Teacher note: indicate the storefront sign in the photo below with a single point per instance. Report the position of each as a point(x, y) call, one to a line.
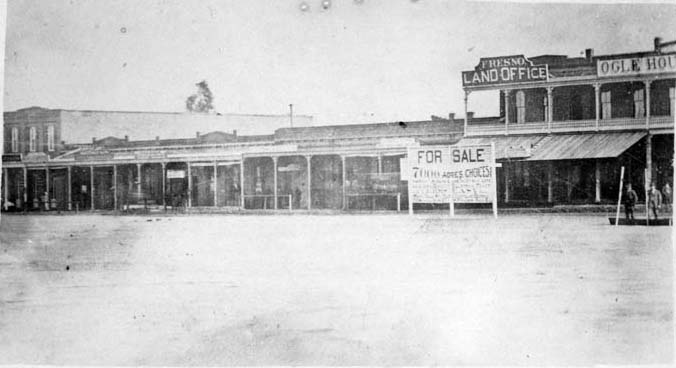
point(473, 170)
point(175, 174)
point(11, 157)
point(504, 70)
point(636, 66)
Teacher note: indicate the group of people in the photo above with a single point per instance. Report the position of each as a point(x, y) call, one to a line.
point(654, 201)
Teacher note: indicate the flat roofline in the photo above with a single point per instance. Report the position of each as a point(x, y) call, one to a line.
point(156, 112)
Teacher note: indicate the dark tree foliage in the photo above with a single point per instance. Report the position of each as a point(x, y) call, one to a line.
point(202, 100)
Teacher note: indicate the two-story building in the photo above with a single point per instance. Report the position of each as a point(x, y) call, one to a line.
point(567, 125)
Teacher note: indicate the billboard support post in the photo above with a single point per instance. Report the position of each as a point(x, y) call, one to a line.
point(451, 203)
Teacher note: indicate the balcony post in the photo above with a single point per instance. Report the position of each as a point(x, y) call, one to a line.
point(466, 120)
point(597, 102)
point(506, 93)
point(647, 103)
point(648, 160)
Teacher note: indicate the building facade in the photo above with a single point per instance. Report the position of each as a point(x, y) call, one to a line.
point(568, 125)
point(304, 167)
point(566, 128)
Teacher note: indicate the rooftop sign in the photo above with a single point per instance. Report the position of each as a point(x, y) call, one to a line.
point(636, 66)
point(504, 70)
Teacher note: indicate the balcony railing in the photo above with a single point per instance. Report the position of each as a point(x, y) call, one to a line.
point(656, 122)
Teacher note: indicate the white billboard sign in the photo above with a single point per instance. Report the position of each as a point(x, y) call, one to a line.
point(473, 170)
point(451, 174)
point(636, 66)
point(429, 179)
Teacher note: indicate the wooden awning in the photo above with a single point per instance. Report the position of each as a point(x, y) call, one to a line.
point(584, 146)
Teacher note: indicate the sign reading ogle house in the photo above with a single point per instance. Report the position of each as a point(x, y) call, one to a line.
point(436, 170)
point(654, 64)
point(504, 70)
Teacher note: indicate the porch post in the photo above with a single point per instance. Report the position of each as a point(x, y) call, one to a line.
point(241, 182)
point(48, 199)
point(550, 182)
point(189, 186)
point(506, 170)
point(380, 164)
point(309, 181)
point(597, 101)
point(5, 194)
point(506, 93)
point(550, 108)
point(70, 189)
point(274, 176)
point(215, 184)
point(25, 186)
point(597, 174)
point(647, 103)
point(164, 184)
point(91, 186)
point(649, 159)
point(115, 187)
point(140, 180)
point(343, 160)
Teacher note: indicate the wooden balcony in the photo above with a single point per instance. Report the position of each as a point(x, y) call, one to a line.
point(569, 126)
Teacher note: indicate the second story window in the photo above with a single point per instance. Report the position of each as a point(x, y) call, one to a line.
point(32, 135)
point(606, 106)
point(639, 104)
point(520, 107)
point(15, 139)
point(50, 138)
point(672, 100)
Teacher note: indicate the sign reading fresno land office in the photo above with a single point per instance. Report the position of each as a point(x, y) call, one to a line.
point(504, 70)
point(636, 66)
point(434, 170)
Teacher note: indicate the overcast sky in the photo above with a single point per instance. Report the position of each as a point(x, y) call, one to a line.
point(374, 61)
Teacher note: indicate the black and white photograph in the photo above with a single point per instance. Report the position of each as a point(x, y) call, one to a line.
point(337, 183)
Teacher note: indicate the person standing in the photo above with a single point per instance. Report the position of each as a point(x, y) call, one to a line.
point(654, 200)
point(666, 193)
point(630, 200)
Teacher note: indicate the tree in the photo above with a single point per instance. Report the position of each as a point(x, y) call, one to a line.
point(202, 100)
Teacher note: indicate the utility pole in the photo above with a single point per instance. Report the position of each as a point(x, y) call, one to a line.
point(291, 114)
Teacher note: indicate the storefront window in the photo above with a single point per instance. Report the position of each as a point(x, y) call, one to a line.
point(15, 140)
point(520, 107)
point(639, 104)
point(50, 138)
point(31, 136)
point(606, 106)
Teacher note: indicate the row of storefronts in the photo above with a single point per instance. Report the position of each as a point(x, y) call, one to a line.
point(565, 129)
